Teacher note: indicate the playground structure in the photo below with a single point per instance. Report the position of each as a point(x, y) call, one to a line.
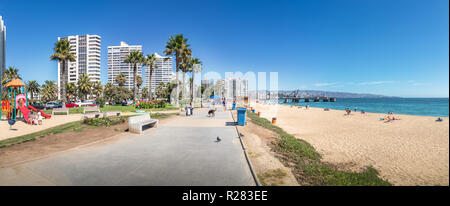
point(16, 105)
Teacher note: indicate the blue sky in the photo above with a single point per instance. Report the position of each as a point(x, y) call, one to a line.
point(390, 47)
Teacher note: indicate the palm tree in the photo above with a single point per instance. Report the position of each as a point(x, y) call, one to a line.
point(139, 82)
point(84, 85)
point(150, 61)
point(8, 75)
point(196, 67)
point(108, 91)
point(97, 89)
point(185, 67)
point(62, 55)
point(144, 92)
point(121, 80)
point(135, 57)
point(71, 91)
point(33, 87)
point(177, 46)
point(49, 91)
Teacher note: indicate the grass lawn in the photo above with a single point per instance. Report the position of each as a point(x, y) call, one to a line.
point(307, 165)
point(71, 126)
point(128, 108)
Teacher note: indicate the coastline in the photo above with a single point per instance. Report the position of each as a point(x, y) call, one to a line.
point(436, 107)
point(411, 151)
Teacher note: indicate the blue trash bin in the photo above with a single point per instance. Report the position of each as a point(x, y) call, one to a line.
point(241, 116)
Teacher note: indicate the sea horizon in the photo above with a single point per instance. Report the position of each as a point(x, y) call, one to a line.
point(435, 107)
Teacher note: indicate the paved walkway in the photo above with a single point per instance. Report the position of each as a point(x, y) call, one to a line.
point(21, 128)
point(182, 151)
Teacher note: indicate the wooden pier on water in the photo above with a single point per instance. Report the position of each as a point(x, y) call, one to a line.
point(307, 99)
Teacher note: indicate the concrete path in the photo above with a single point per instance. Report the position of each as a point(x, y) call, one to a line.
point(182, 151)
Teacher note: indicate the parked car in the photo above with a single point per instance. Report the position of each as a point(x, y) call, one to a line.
point(85, 103)
point(38, 106)
point(71, 104)
point(51, 105)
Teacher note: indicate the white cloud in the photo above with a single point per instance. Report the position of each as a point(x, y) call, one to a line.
point(376, 82)
point(324, 84)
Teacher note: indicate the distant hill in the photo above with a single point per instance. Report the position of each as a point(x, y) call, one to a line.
point(308, 93)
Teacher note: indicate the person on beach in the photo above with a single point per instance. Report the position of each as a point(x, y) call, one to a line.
point(307, 106)
point(348, 111)
point(356, 108)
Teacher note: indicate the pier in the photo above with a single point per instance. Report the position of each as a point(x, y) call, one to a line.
point(307, 99)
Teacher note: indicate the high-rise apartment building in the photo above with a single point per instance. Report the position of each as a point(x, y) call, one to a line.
point(87, 52)
point(2, 49)
point(236, 88)
point(116, 64)
point(162, 72)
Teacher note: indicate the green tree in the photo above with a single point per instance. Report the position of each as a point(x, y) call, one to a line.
point(108, 92)
point(150, 61)
point(33, 88)
point(177, 46)
point(49, 91)
point(71, 91)
point(134, 58)
point(163, 90)
point(84, 86)
point(196, 66)
point(145, 93)
point(121, 79)
point(63, 55)
point(139, 83)
point(8, 75)
point(97, 89)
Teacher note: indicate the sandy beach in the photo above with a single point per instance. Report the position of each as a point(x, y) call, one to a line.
point(411, 151)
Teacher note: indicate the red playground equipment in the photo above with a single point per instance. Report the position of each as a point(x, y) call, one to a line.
point(17, 103)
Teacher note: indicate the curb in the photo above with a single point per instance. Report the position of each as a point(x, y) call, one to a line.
point(246, 155)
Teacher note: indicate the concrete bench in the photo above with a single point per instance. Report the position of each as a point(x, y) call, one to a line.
point(112, 113)
point(90, 109)
point(136, 123)
point(91, 115)
point(60, 110)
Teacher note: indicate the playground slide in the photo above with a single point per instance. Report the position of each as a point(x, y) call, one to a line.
point(25, 112)
point(46, 116)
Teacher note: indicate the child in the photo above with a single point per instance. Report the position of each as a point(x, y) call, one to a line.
point(34, 120)
point(39, 118)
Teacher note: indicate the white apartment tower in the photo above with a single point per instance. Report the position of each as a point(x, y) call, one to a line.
point(236, 87)
point(116, 64)
point(2, 49)
point(162, 72)
point(87, 52)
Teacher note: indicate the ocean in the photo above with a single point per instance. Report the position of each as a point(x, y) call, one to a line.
point(437, 107)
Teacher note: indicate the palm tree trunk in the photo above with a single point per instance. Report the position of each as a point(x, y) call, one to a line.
point(63, 84)
point(177, 89)
point(134, 81)
point(150, 83)
point(192, 86)
point(183, 95)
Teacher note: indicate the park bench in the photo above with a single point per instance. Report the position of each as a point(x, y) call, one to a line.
point(136, 123)
point(91, 109)
point(91, 115)
point(112, 113)
point(60, 110)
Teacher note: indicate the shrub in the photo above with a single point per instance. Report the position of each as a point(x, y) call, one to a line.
point(151, 104)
